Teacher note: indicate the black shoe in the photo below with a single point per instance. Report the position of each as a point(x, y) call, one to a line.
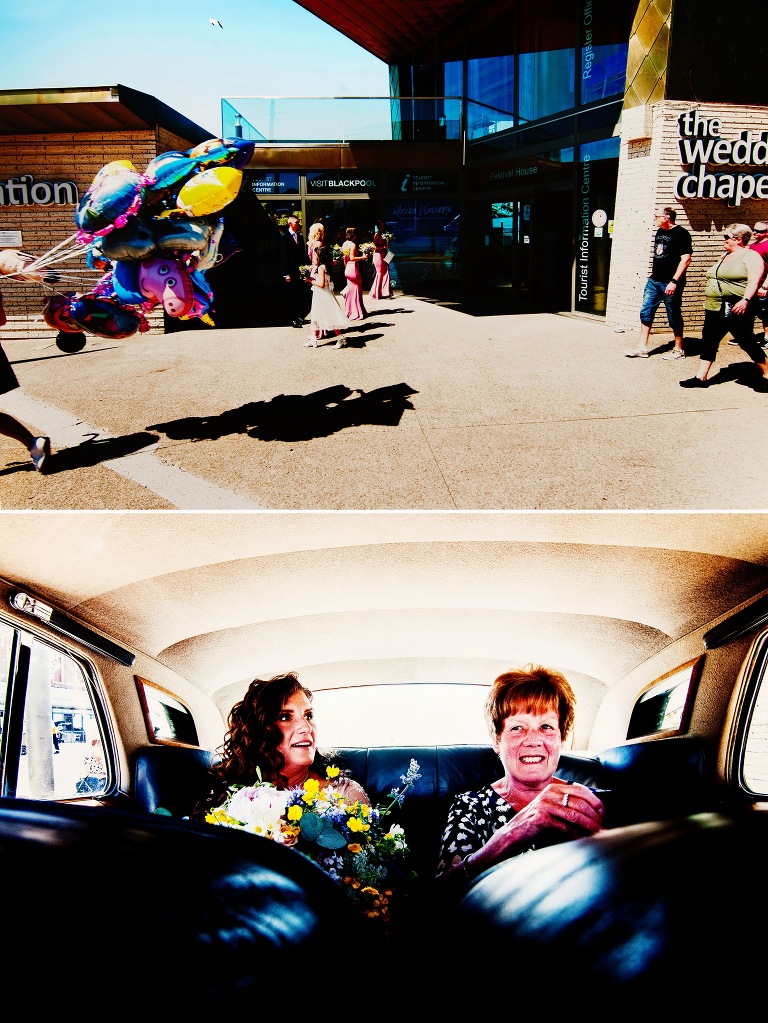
point(694, 382)
point(297, 323)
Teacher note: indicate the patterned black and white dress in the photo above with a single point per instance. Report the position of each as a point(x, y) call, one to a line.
point(472, 819)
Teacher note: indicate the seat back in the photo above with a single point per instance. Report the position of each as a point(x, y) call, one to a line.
point(170, 779)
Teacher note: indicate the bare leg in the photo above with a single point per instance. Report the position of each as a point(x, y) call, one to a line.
point(11, 427)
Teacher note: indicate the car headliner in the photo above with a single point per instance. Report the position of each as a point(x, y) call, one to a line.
point(383, 597)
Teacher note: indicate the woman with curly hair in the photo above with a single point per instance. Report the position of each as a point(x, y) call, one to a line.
point(271, 732)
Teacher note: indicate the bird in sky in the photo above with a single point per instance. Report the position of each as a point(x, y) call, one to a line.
point(215, 22)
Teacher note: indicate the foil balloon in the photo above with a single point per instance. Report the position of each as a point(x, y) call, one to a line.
point(95, 258)
point(169, 170)
point(209, 191)
point(115, 194)
point(209, 253)
point(183, 235)
point(57, 313)
point(104, 317)
point(125, 282)
point(214, 152)
point(201, 299)
point(166, 280)
point(136, 240)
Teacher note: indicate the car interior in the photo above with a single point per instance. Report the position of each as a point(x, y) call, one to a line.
point(138, 631)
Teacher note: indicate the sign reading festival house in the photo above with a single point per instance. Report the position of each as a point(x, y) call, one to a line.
point(701, 144)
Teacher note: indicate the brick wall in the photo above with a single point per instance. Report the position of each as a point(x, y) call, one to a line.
point(648, 170)
point(74, 157)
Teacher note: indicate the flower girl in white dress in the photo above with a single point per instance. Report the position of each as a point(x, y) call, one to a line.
point(326, 312)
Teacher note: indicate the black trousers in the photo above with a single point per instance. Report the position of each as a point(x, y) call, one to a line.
point(717, 325)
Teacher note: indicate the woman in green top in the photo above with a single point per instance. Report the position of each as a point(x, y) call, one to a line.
point(731, 287)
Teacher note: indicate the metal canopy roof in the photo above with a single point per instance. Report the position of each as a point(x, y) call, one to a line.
point(101, 108)
point(390, 29)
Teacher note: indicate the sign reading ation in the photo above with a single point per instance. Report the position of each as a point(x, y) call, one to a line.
point(21, 191)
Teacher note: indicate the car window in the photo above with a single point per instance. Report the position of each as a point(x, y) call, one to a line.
point(166, 716)
point(754, 764)
point(52, 744)
point(662, 707)
point(418, 714)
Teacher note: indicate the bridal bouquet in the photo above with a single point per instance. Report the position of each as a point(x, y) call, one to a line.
point(367, 248)
point(350, 840)
point(306, 271)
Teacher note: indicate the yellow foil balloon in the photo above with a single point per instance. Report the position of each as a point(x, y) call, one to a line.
point(209, 191)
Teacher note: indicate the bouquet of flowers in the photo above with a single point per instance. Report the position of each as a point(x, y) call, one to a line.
point(336, 253)
point(388, 237)
point(350, 840)
point(367, 248)
point(306, 272)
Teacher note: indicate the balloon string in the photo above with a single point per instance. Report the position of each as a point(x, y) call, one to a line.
point(41, 259)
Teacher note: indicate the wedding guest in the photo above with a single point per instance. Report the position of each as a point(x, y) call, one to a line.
point(326, 314)
point(529, 712)
point(316, 236)
point(292, 249)
point(353, 293)
point(39, 448)
point(381, 287)
point(729, 307)
point(272, 729)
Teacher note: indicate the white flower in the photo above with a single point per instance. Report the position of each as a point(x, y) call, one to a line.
point(259, 809)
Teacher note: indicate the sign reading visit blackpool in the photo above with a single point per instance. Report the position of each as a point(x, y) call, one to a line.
point(701, 144)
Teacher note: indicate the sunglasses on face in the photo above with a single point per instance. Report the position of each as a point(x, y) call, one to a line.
point(730, 238)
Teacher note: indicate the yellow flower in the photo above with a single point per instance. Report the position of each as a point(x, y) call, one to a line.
point(294, 813)
point(355, 825)
point(332, 772)
point(311, 785)
point(355, 847)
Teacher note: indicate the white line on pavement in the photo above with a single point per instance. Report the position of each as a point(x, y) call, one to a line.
point(182, 489)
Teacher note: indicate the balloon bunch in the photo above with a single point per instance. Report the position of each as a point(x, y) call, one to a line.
point(149, 238)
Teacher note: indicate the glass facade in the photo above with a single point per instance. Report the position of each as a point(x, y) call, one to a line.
point(543, 85)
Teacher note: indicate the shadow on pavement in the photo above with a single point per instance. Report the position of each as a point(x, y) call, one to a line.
point(97, 450)
point(298, 417)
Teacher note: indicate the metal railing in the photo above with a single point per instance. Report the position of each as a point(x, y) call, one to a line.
point(309, 119)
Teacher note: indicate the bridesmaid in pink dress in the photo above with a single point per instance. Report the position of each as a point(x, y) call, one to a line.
point(381, 286)
point(353, 296)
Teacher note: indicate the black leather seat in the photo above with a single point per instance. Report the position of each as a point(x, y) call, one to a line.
point(639, 917)
point(163, 915)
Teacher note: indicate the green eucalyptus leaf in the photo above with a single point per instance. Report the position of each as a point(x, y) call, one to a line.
point(311, 825)
point(330, 838)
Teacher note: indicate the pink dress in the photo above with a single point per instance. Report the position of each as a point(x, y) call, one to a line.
point(353, 294)
point(380, 287)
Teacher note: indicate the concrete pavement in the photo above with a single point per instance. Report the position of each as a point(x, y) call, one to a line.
point(427, 408)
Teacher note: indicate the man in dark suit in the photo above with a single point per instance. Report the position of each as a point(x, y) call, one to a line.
point(293, 254)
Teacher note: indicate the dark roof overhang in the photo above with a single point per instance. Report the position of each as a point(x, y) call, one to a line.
point(391, 30)
point(101, 108)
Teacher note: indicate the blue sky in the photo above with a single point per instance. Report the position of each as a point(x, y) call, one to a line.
point(169, 49)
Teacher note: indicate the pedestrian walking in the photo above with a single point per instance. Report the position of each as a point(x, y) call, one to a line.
point(672, 253)
point(731, 287)
point(39, 447)
point(326, 314)
point(760, 244)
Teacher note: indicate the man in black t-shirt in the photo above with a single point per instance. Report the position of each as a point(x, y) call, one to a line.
point(672, 251)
